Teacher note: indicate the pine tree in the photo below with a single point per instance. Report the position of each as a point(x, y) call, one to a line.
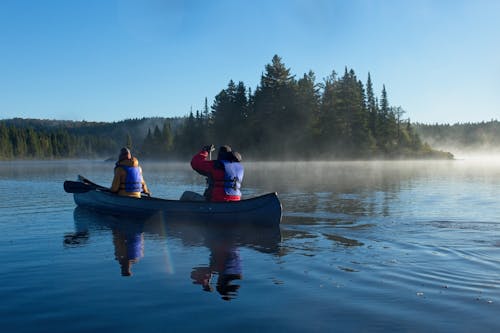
point(308, 101)
point(229, 115)
point(128, 141)
point(33, 149)
point(167, 139)
point(371, 106)
point(383, 137)
point(277, 75)
point(274, 109)
point(6, 149)
point(221, 114)
point(327, 125)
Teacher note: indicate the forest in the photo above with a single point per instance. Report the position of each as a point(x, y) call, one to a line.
point(285, 118)
point(465, 137)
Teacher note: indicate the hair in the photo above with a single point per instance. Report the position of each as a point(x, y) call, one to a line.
point(124, 154)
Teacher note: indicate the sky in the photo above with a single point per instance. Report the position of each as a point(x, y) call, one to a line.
point(110, 60)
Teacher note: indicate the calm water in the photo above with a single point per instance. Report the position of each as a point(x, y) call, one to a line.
point(373, 246)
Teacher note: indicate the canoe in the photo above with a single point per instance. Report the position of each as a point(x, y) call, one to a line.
point(264, 210)
point(89, 222)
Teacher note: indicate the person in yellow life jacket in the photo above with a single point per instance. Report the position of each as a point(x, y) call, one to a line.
point(128, 179)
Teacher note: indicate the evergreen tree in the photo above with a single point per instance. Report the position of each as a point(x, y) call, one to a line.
point(327, 124)
point(229, 114)
point(167, 138)
point(221, 114)
point(206, 112)
point(275, 104)
point(240, 117)
point(147, 144)
point(18, 140)
point(187, 139)
point(6, 149)
point(371, 106)
point(384, 138)
point(308, 101)
point(33, 149)
point(128, 141)
point(398, 113)
point(156, 135)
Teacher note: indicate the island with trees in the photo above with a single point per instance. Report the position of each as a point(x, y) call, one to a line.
point(284, 118)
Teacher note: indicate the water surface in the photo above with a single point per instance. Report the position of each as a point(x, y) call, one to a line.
point(363, 246)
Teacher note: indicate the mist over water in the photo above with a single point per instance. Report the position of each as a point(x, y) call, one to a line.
point(479, 156)
point(363, 246)
point(483, 151)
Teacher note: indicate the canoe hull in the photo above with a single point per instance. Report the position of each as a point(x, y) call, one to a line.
point(262, 210)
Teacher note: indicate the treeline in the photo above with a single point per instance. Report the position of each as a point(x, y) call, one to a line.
point(28, 143)
point(54, 139)
point(301, 119)
point(284, 118)
point(462, 136)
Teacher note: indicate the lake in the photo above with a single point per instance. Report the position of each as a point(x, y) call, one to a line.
point(362, 246)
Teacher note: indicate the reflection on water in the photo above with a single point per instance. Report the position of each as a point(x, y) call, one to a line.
point(76, 238)
point(225, 262)
point(362, 247)
point(128, 237)
point(129, 248)
point(224, 244)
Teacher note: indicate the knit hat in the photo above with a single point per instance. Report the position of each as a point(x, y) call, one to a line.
point(223, 153)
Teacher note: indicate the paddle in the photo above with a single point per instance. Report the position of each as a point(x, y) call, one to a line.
point(82, 186)
point(77, 187)
point(91, 184)
point(87, 185)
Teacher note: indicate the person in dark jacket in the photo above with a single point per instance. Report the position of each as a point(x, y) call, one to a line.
point(224, 174)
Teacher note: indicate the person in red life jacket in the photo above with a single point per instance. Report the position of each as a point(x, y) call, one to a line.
point(128, 179)
point(224, 174)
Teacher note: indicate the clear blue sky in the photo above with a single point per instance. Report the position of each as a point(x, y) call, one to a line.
point(100, 60)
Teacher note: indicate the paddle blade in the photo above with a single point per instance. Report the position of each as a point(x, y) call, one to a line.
point(91, 184)
point(76, 187)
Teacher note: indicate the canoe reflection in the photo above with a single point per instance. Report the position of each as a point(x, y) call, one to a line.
point(224, 243)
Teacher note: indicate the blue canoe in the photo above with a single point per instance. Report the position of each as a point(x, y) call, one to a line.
point(264, 210)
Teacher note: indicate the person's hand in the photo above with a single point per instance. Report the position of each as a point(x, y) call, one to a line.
point(209, 148)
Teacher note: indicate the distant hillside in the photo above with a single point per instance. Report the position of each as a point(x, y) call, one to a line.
point(47, 139)
point(136, 128)
point(483, 137)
